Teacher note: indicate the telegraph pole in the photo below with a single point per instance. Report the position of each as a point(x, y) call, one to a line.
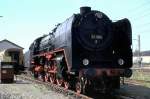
point(139, 46)
point(139, 51)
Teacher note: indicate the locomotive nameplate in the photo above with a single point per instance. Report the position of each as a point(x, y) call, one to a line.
point(98, 37)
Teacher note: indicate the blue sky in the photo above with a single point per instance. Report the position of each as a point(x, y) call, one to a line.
point(25, 20)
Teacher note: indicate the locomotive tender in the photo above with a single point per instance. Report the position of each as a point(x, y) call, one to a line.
point(88, 50)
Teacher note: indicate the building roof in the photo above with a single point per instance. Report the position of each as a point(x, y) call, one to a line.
point(142, 53)
point(9, 43)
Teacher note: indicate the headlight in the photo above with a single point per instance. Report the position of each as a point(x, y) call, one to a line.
point(85, 61)
point(120, 61)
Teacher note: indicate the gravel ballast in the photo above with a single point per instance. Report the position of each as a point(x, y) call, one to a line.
point(28, 91)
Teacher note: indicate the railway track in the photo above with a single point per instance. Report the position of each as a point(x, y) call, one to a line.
point(133, 81)
point(143, 70)
point(126, 97)
point(74, 95)
point(53, 87)
point(137, 80)
point(69, 93)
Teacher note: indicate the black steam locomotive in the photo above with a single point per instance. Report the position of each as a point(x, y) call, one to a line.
point(87, 51)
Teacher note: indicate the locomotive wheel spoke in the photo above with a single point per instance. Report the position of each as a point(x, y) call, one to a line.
point(78, 87)
point(46, 78)
point(66, 85)
point(51, 80)
point(59, 82)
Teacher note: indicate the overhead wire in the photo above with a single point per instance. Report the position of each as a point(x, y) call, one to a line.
point(137, 16)
point(138, 8)
point(140, 16)
point(142, 25)
point(131, 13)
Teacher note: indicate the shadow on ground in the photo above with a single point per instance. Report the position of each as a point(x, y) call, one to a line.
point(137, 91)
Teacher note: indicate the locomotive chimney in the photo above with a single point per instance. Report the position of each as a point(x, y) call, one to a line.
point(84, 10)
